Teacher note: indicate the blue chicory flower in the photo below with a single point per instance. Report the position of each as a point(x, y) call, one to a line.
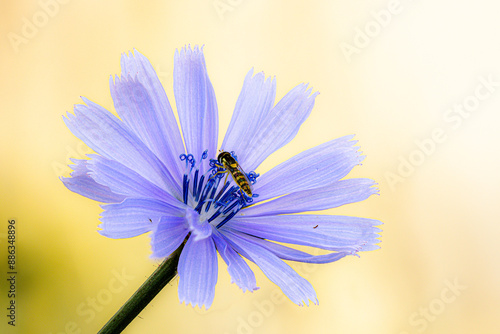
point(156, 180)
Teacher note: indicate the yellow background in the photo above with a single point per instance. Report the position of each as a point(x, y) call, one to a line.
point(441, 218)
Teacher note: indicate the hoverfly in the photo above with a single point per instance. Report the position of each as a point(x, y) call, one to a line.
point(232, 167)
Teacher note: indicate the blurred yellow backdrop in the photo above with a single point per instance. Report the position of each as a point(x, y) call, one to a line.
point(416, 81)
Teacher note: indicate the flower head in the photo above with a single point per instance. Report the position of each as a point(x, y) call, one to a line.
point(182, 189)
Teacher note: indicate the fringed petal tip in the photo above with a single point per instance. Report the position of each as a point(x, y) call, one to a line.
point(307, 90)
point(365, 247)
point(245, 285)
point(131, 56)
point(370, 243)
point(125, 56)
point(303, 303)
point(374, 189)
point(259, 77)
point(350, 139)
point(187, 53)
point(196, 304)
point(245, 288)
point(102, 232)
point(187, 49)
point(304, 92)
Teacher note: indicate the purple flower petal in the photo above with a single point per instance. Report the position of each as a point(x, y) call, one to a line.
point(168, 236)
point(165, 137)
point(299, 290)
point(328, 162)
point(238, 269)
point(108, 136)
point(146, 117)
point(196, 104)
point(254, 103)
point(335, 233)
point(198, 272)
point(82, 184)
point(122, 180)
point(287, 253)
point(278, 127)
point(332, 196)
point(134, 216)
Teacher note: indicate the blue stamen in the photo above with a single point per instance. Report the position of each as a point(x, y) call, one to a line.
point(185, 188)
point(212, 194)
point(228, 196)
point(231, 215)
point(195, 184)
point(198, 192)
point(231, 207)
point(220, 201)
point(215, 215)
point(252, 177)
point(224, 187)
point(201, 201)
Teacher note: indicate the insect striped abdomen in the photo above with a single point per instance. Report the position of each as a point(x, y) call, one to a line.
point(237, 173)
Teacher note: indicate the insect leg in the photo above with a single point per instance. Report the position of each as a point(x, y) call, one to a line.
point(213, 175)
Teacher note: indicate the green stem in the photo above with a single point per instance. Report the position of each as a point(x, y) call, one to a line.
point(141, 298)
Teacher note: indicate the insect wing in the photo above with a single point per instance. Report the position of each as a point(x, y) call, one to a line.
point(241, 179)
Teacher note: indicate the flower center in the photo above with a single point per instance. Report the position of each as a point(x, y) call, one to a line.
point(208, 188)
